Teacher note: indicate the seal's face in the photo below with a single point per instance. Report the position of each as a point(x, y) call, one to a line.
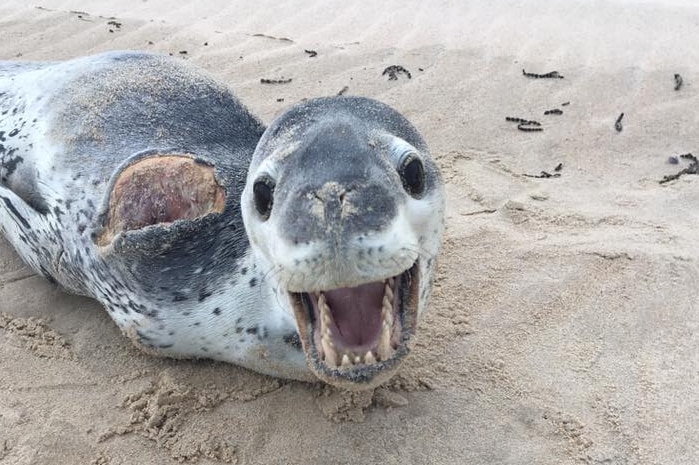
point(348, 219)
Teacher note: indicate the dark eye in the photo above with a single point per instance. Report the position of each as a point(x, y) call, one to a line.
point(263, 193)
point(412, 173)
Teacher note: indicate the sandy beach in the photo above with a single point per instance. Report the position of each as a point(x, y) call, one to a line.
point(564, 327)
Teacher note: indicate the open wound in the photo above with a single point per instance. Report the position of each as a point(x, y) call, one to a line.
point(161, 190)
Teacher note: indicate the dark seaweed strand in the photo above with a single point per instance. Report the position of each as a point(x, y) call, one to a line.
point(565, 104)
point(555, 111)
point(514, 119)
point(393, 71)
point(693, 168)
point(617, 123)
point(549, 75)
point(275, 81)
point(524, 127)
point(678, 81)
point(558, 167)
point(543, 175)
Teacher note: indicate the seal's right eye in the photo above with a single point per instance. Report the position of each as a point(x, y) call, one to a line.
point(412, 174)
point(263, 193)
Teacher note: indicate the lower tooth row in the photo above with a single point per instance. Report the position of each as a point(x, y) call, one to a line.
point(349, 360)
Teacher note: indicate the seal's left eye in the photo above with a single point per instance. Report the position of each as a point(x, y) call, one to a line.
point(263, 193)
point(412, 174)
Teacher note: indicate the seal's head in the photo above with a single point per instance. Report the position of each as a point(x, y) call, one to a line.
point(345, 207)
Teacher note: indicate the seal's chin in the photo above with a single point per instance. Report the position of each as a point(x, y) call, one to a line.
point(356, 337)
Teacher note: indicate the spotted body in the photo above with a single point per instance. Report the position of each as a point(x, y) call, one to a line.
point(127, 176)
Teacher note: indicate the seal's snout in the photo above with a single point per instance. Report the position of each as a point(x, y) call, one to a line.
point(338, 208)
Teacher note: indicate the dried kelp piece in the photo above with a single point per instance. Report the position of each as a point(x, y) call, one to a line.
point(617, 123)
point(555, 111)
point(543, 175)
point(546, 174)
point(515, 119)
point(275, 81)
point(283, 39)
point(311, 53)
point(693, 168)
point(343, 90)
point(549, 75)
point(678, 81)
point(525, 127)
point(393, 72)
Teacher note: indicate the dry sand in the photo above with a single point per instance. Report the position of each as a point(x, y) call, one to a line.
point(565, 324)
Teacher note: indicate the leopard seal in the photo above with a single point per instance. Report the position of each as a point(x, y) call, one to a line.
point(304, 250)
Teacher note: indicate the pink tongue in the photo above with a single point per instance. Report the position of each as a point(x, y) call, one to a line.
point(357, 313)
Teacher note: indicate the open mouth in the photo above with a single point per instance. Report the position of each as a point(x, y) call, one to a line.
point(355, 337)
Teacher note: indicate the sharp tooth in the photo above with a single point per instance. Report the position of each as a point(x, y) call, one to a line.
point(384, 349)
point(325, 316)
point(357, 359)
point(387, 312)
point(346, 361)
point(329, 351)
point(388, 292)
point(369, 358)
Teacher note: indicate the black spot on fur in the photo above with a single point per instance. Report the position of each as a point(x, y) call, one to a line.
point(217, 311)
point(203, 295)
point(179, 297)
point(252, 330)
point(253, 282)
point(38, 204)
point(16, 213)
point(11, 164)
point(14, 132)
point(293, 340)
point(47, 275)
point(143, 338)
